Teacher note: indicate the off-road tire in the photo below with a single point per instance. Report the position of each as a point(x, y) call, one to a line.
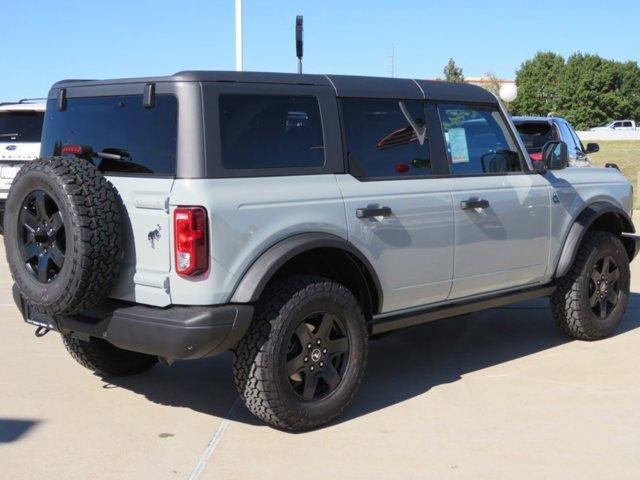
point(103, 358)
point(91, 214)
point(570, 301)
point(259, 373)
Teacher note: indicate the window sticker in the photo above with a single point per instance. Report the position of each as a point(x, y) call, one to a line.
point(457, 139)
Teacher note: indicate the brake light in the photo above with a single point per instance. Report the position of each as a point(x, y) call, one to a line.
point(191, 243)
point(72, 149)
point(536, 157)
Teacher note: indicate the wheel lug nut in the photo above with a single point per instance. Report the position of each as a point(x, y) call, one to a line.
point(318, 342)
point(306, 359)
point(312, 368)
point(309, 345)
point(322, 364)
point(324, 350)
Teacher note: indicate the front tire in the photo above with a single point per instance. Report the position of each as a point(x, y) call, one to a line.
point(103, 358)
point(591, 299)
point(303, 358)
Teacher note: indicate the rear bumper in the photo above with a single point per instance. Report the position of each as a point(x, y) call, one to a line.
point(175, 332)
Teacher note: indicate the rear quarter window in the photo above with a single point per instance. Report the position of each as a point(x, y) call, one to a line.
point(270, 131)
point(146, 138)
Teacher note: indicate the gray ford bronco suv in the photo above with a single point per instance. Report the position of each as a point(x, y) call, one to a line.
point(290, 218)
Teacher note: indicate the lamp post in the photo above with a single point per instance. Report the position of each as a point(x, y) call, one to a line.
point(238, 35)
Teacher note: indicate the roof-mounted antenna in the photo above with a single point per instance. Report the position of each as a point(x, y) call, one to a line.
point(299, 42)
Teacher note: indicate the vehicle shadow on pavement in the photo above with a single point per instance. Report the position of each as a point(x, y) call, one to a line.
point(401, 366)
point(413, 361)
point(11, 429)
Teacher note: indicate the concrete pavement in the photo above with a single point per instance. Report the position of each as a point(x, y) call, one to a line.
point(497, 394)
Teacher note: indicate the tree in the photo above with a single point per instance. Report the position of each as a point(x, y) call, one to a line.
point(493, 84)
point(538, 80)
point(453, 73)
point(587, 90)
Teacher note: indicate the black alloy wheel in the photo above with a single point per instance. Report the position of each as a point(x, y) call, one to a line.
point(317, 356)
point(41, 236)
point(604, 288)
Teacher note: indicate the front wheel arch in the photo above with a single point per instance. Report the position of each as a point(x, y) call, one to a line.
point(600, 216)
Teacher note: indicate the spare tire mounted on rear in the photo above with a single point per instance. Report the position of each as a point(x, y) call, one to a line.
point(63, 234)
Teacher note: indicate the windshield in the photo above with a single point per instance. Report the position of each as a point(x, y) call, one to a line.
point(535, 135)
point(21, 126)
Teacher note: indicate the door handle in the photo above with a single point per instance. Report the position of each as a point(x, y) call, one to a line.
point(373, 212)
point(473, 203)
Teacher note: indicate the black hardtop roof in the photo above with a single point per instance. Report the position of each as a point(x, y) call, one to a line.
point(344, 85)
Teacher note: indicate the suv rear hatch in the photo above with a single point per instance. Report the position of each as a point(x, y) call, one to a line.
point(535, 133)
point(135, 147)
point(20, 132)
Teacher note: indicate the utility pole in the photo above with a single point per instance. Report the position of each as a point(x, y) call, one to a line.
point(393, 60)
point(238, 35)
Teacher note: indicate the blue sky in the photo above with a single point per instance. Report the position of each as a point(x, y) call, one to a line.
point(50, 40)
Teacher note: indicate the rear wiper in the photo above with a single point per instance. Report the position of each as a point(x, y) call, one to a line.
point(2, 135)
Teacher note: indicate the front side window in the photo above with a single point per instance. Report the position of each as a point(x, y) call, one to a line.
point(386, 138)
point(21, 126)
point(145, 139)
point(477, 140)
point(270, 131)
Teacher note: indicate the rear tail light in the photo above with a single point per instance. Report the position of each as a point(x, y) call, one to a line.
point(191, 240)
point(536, 157)
point(72, 149)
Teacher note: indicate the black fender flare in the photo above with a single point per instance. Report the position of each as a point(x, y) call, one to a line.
point(268, 263)
point(581, 225)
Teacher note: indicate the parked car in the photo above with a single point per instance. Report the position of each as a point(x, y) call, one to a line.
point(536, 131)
point(618, 125)
point(20, 130)
point(291, 218)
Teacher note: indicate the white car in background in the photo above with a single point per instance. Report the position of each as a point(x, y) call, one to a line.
point(618, 125)
point(20, 131)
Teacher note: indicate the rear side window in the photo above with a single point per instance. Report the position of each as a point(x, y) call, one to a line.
point(386, 138)
point(145, 138)
point(20, 126)
point(535, 135)
point(270, 131)
point(477, 140)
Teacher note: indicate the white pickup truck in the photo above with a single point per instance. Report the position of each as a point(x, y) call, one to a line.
point(619, 125)
point(20, 131)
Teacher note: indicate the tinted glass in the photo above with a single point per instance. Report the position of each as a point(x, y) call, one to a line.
point(270, 131)
point(478, 140)
point(386, 138)
point(567, 137)
point(535, 135)
point(145, 138)
point(21, 126)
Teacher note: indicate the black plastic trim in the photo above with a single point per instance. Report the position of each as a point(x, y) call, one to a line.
point(407, 318)
point(580, 227)
point(176, 332)
point(262, 270)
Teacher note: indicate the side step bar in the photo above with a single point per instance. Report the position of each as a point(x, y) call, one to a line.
point(386, 322)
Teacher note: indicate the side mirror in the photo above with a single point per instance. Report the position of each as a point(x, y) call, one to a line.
point(593, 147)
point(555, 155)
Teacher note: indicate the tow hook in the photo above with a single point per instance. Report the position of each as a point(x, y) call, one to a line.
point(42, 331)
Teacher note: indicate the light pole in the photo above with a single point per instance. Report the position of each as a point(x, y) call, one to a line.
point(238, 35)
